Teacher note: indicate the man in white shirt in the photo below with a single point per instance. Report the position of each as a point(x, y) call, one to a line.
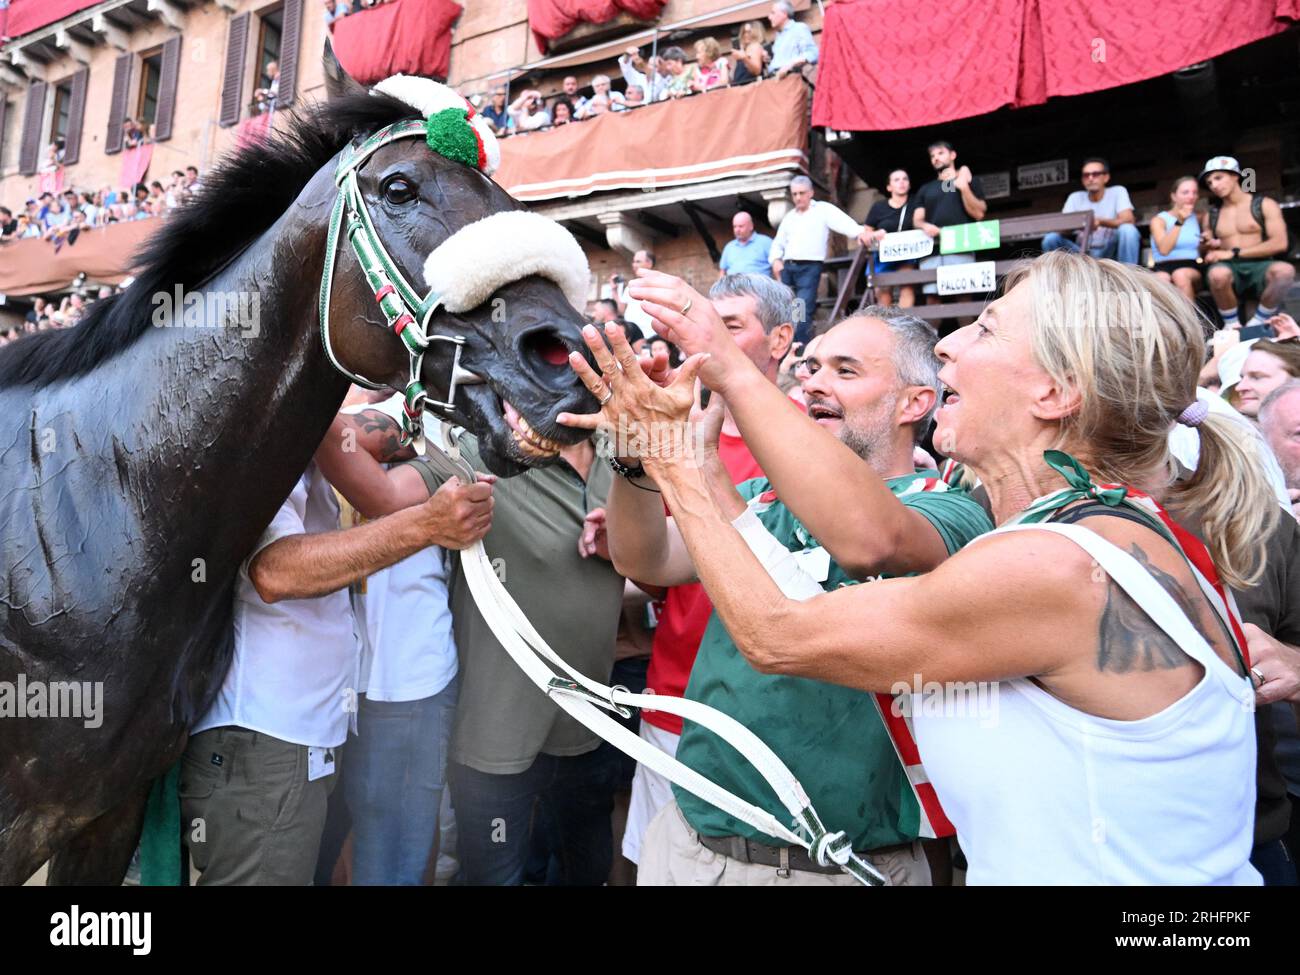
point(1114, 233)
point(258, 769)
point(799, 249)
point(653, 84)
point(793, 46)
point(629, 308)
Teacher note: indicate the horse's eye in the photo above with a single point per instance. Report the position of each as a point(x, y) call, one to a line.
point(398, 190)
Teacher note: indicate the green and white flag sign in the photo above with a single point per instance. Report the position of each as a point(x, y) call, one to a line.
point(964, 237)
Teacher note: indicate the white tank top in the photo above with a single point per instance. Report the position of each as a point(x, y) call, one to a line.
point(1041, 793)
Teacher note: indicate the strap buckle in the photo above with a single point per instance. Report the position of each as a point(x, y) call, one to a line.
point(558, 685)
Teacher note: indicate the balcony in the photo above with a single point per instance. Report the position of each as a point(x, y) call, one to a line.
point(623, 180)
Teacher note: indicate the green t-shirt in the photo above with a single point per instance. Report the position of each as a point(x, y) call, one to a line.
point(830, 737)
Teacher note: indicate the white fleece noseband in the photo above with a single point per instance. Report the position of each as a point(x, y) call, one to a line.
point(481, 257)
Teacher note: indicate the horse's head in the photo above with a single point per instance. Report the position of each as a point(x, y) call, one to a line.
point(505, 282)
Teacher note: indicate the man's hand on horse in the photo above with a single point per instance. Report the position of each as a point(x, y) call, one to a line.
point(688, 319)
point(651, 422)
point(457, 515)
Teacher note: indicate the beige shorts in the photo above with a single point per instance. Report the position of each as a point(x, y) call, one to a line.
point(673, 856)
point(650, 792)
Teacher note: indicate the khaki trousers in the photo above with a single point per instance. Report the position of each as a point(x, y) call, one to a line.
point(673, 856)
point(248, 814)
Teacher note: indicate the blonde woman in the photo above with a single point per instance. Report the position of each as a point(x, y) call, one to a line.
point(1119, 672)
point(750, 56)
point(711, 69)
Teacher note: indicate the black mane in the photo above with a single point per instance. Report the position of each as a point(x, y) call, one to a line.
point(240, 199)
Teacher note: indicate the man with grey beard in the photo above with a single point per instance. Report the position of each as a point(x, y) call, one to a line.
point(874, 385)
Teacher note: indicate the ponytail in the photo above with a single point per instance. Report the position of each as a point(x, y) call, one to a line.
point(1233, 500)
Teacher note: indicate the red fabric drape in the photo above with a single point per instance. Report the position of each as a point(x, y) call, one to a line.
point(255, 128)
point(934, 63)
point(135, 163)
point(398, 37)
point(551, 19)
point(26, 16)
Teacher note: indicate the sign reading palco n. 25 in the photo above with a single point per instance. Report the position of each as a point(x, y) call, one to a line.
point(907, 245)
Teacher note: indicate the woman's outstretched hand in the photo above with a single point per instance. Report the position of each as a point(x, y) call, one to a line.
point(648, 421)
point(699, 330)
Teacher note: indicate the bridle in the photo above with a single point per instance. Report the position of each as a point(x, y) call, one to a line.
point(405, 310)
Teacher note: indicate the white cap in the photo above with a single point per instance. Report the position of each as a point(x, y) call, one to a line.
point(1220, 164)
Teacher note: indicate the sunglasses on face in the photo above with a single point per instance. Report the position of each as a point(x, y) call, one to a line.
point(1094, 174)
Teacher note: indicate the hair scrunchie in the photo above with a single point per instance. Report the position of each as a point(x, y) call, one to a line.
point(1194, 414)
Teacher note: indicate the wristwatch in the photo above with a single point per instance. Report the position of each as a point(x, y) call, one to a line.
point(630, 471)
point(1236, 253)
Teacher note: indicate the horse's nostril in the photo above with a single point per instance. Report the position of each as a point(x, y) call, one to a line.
point(546, 345)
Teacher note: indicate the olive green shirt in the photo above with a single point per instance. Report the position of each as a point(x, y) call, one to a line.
point(503, 721)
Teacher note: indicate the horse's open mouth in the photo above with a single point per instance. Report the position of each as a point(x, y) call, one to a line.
point(528, 440)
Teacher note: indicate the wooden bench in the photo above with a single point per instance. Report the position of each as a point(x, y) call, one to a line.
point(850, 270)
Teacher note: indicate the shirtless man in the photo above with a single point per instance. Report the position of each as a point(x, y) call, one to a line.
point(1242, 255)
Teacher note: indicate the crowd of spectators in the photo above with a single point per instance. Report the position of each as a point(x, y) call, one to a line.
point(55, 313)
point(61, 217)
point(666, 74)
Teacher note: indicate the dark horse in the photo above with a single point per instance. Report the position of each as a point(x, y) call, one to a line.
point(143, 462)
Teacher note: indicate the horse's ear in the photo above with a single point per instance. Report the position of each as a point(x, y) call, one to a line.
point(338, 82)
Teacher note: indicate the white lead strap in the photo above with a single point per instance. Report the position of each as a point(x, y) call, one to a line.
point(588, 701)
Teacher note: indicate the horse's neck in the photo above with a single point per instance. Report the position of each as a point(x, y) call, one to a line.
point(239, 391)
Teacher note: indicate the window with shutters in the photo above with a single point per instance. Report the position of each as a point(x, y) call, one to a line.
point(146, 101)
point(232, 78)
point(269, 26)
point(62, 111)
